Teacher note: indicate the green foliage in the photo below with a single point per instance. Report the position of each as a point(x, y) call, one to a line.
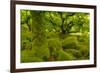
point(54, 36)
point(74, 52)
point(54, 43)
point(62, 56)
point(28, 56)
point(70, 42)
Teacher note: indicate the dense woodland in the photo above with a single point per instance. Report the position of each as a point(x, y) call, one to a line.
point(54, 36)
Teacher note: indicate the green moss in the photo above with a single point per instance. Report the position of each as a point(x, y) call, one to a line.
point(62, 56)
point(29, 56)
point(70, 42)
